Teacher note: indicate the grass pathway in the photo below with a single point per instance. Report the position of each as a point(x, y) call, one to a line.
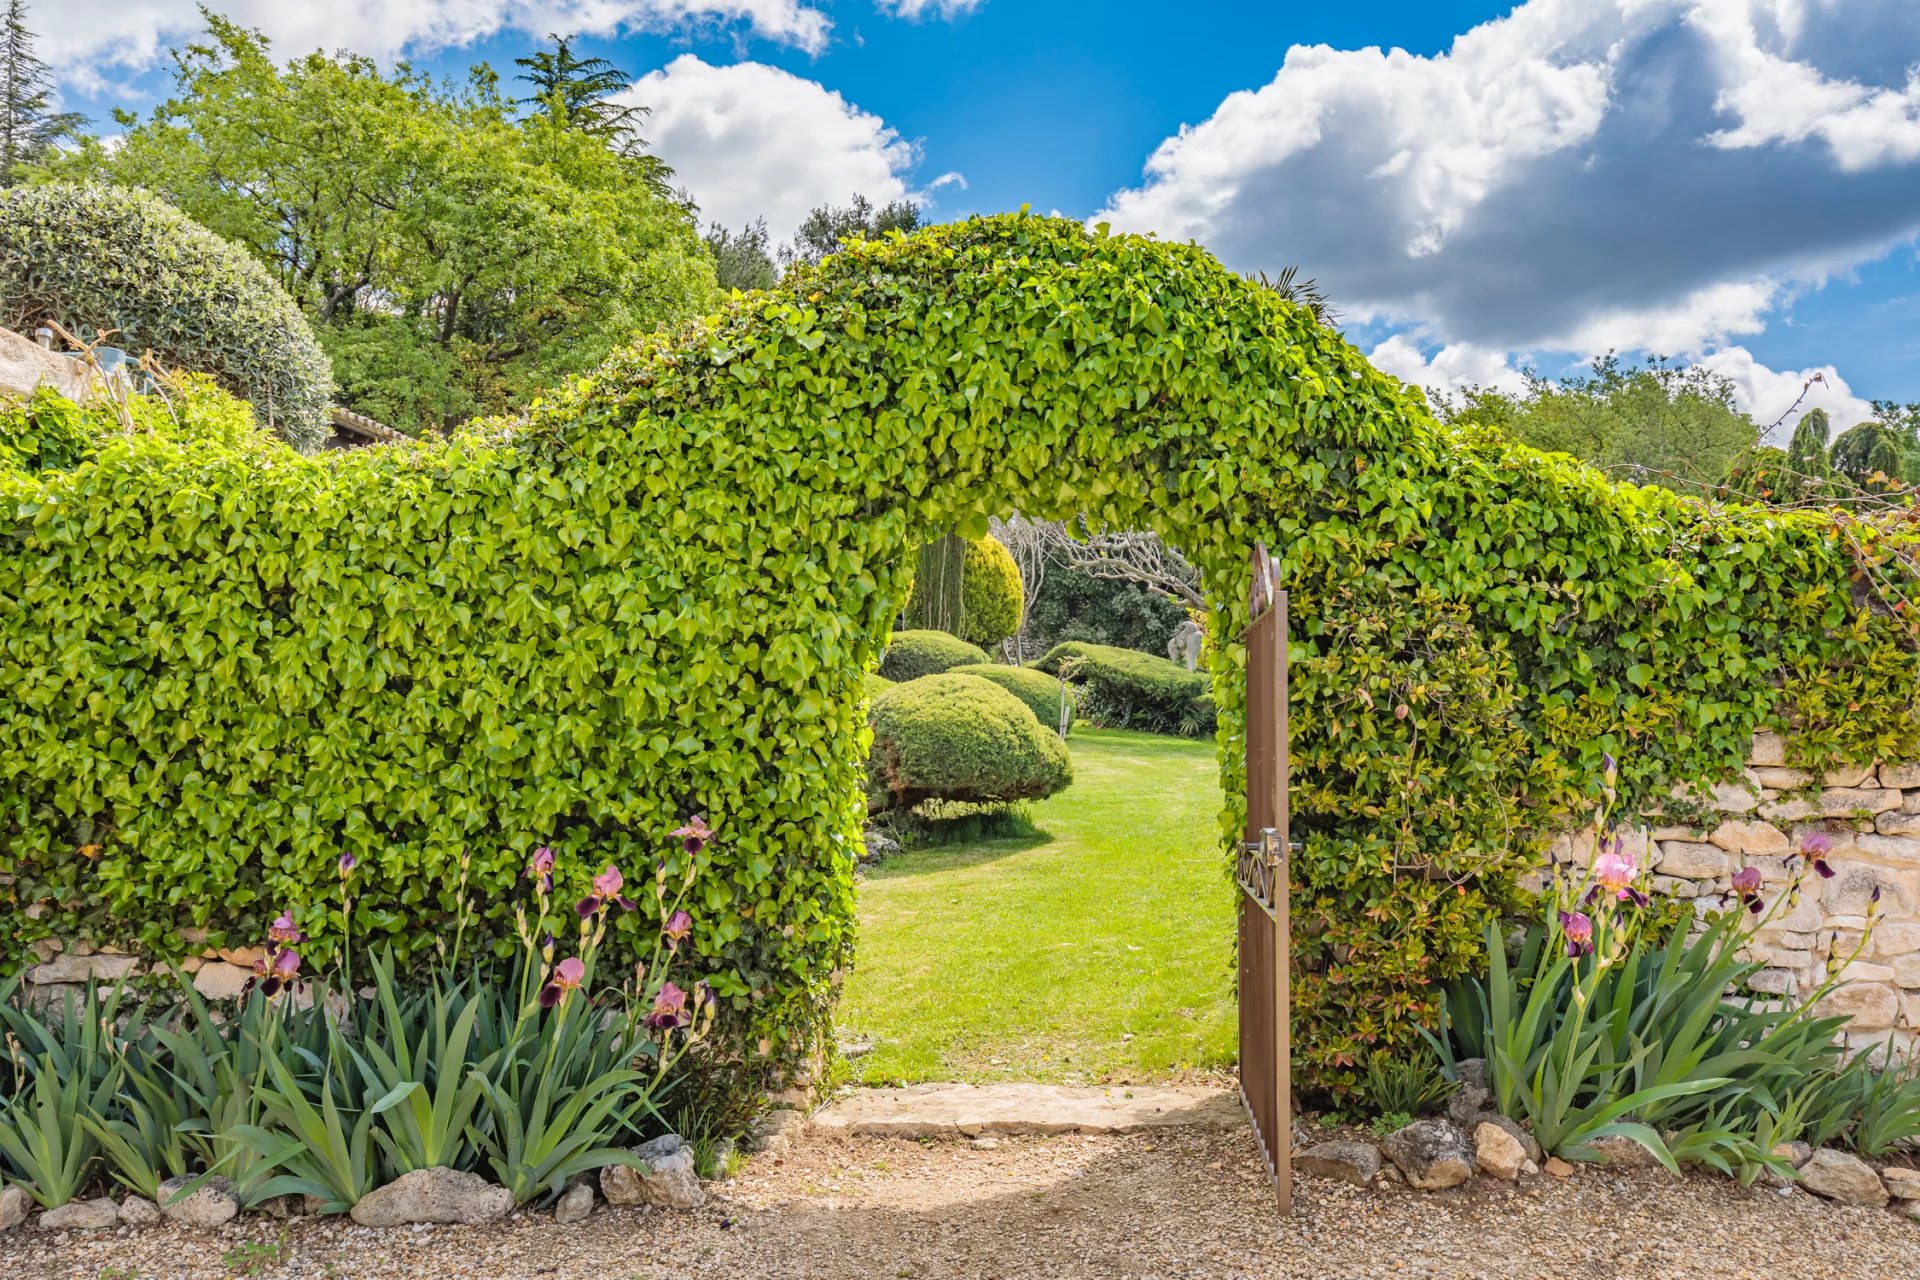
point(1097, 951)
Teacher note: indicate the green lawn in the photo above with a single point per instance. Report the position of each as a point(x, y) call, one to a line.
point(1099, 950)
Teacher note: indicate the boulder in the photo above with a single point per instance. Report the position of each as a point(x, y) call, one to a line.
point(1528, 1143)
point(1468, 1103)
point(1901, 1184)
point(1354, 1162)
point(1433, 1154)
point(1497, 1152)
point(1474, 1071)
point(15, 1204)
point(138, 1211)
point(211, 1205)
point(575, 1206)
point(218, 980)
point(1617, 1152)
point(668, 1180)
point(82, 1215)
point(1794, 1153)
point(434, 1195)
point(1843, 1177)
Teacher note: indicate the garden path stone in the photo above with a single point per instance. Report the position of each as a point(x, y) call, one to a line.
point(434, 1195)
point(1498, 1153)
point(1843, 1177)
point(14, 1204)
point(213, 1204)
point(575, 1206)
point(968, 1110)
point(1431, 1153)
point(669, 1179)
point(1353, 1162)
point(138, 1211)
point(82, 1215)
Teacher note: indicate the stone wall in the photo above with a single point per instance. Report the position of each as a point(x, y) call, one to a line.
point(1872, 816)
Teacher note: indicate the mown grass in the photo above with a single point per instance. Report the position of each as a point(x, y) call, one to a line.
point(1099, 949)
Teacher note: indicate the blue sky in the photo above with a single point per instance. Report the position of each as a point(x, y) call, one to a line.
point(1481, 187)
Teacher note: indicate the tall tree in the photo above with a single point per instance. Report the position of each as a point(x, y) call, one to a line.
point(30, 128)
point(828, 227)
point(579, 92)
point(1655, 423)
point(1807, 450)
point(741, 259)
point(455, 259)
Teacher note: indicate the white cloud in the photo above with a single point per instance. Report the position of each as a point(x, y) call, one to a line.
point(85, 38)
point(1579, 175)
point(1766, 394)
point(1450, 369)
point(916, 9)
point(751, 141)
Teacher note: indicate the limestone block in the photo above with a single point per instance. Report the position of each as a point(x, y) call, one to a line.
point(1694, 861)
point(1769, 748)
point(1776, 778)
point(1749, 836)
point(1870, 1005)
point(1841, 802)
point(1904, 776)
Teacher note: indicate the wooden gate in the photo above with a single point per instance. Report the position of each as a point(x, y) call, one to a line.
point(1266, 1076)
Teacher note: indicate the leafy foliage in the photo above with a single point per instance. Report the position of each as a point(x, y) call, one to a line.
point(94, 258)
point(741, 259)
point(912, 654)
point(1072, 604)
point(969, 587)
point(1127, 689)
point(828, 229)
point(1045, 695)
point(958, 737)
point(453, 259)
point(661, 594)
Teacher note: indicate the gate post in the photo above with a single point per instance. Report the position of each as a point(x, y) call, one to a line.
point(1266, 1075)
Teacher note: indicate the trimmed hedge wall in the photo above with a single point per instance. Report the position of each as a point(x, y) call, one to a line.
point(1127, 689)
point(94, 257)
point(661, 594)
point(1042, 693)
point(912, 654)
point(958, 737)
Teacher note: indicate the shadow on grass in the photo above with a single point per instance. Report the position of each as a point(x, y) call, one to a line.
point(957, 856)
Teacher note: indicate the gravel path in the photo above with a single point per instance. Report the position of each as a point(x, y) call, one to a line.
point(1186, 1203)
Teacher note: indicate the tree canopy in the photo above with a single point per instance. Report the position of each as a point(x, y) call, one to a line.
point(1654, 423)
point(30, 126)
point(453, 258)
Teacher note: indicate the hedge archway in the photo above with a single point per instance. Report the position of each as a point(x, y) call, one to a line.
point(661, 594)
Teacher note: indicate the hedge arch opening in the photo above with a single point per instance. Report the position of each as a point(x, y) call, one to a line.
point(659, 595)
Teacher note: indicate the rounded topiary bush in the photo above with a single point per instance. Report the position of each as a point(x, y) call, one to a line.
point(956, 737)
point(1127, 689)
point(95, 258)
point(984, 607)
point(1042, 693)
point(912, 654)
point(876, 685)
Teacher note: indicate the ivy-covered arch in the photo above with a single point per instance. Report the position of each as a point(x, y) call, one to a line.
point(659, 596)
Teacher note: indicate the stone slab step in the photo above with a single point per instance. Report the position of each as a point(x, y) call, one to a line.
point(967, 1110)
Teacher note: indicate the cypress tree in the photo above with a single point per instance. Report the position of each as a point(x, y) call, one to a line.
point(29, 126)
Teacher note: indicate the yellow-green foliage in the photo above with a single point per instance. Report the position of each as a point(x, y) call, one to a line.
point(958, 737)
point(48, 432)
point(989, 604)
point(912, 654)
point(1043, 693)
point(223, 668)
point(990, 589)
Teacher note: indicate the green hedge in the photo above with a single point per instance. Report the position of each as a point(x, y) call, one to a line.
point(912, 654)
point(1042, 693)
point(107, 258)
point(968, 587)
point(661, 594)
point(958, 737)
point(1127, 689)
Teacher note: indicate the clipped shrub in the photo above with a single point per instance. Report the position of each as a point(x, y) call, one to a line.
point(912, 654)
point(970, 587)
point(1127, 689)
point(94, 258)
point(1042, 693)
point(877, 685)
point(958, 737)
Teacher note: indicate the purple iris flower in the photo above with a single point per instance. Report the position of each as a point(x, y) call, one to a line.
point(347, 863)
point(1817, 845)
point(678, 926)
point(669, 1009)
point(1579, 931)
point(567, 976)
point(694, 835)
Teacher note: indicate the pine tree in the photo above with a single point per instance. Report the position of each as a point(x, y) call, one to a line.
point(579, 92)
point(29, 126)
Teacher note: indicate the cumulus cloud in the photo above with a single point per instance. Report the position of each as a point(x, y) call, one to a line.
point(1766, 394)
point(1451, 369)
point(915, 9)
point(1579, 175)
point(86, 39)
point(750, 141)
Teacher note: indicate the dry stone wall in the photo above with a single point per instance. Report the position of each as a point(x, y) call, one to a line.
point(1871, 815)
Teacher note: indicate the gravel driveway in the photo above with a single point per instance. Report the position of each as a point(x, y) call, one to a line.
point(1175, 1203)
